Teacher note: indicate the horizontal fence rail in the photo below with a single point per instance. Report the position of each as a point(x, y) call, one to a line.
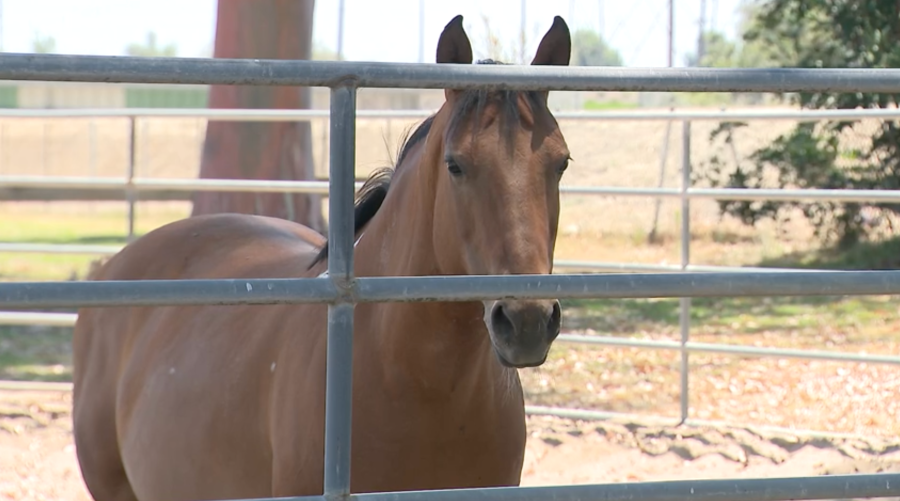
point(38, 318)
point(107, 250)
point(776, 489)
point(340, 290)
point(256, 115)
point(10, 184)
point(68, 320)
point(168, 70)
point(444, 288)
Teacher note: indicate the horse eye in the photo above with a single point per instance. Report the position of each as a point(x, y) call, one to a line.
point(563, 167)
point(454, 168)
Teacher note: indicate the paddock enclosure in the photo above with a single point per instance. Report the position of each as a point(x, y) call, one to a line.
point(341, 291)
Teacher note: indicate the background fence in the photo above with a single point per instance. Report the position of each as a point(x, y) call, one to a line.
point(165, 164)
point(341, 290)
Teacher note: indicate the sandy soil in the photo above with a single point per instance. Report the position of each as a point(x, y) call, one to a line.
point(38, 462)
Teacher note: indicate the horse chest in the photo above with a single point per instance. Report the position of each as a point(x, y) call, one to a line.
point(428, 451)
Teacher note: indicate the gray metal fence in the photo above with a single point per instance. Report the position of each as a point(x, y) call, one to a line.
point(341, 290)
point(133, 189)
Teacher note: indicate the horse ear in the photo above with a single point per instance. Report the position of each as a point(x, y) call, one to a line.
point(556, 46)
point(454, 46)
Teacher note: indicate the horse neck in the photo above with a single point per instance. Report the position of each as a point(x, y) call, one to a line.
point(431, 347)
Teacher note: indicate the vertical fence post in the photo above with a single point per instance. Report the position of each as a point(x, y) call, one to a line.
point(663, 156)
point(685, 302)
point(129, 188)
point(339, 376)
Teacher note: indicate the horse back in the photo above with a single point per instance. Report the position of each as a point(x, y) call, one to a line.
point(216, 246)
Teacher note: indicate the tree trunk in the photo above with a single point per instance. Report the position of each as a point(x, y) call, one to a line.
point(261, 29)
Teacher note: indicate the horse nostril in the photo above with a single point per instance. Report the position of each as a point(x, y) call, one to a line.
point(554, 322)
point(501, 322)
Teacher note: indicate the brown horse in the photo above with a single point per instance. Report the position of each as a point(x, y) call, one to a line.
point(213, 402)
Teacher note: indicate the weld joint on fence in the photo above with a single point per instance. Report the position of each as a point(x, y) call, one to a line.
point(345, 82)
point(345, 291)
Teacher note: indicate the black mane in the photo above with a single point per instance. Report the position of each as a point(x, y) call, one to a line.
point(375, 189)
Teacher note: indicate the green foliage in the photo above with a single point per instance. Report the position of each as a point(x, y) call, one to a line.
point(321, 52)
point(755, 50)
point(150, 48)
point(705, 99)
point(592, 105)
point(820, 34)
point(9, 96)
point(720, 52)
point(43, 44)
point(589, 49)
point(154, 97)
point(883, 255)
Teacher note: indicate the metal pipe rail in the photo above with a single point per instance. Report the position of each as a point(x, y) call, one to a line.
point(138, 184)
point(68, 320)
point(730, 349)
point(335, 74)
point(606, 266)
point(9, 184)
point(341, 290)
point(38, 318)
point(258, 115)
point(105, 250)
point(444, 288)
point(880, 485)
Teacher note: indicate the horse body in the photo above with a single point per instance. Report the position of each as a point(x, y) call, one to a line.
point(217, 402)
point(192, 386)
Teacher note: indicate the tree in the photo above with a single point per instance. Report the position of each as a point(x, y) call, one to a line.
point(823, 34)
point(150, 49)
point(43, 44)
point(748, 51)
point(321, 52)
point(589, 49)
point(720, 52)
point(264, 29)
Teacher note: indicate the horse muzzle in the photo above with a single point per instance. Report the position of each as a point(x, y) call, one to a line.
point(522, 331)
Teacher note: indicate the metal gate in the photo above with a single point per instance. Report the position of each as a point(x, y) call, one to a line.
point(341, 290)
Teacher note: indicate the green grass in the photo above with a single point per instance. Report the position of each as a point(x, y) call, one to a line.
point(722, 316)
point(35, 353)
point(591, 105)
point(795, 320)
point(884, 255)
point(104, 227)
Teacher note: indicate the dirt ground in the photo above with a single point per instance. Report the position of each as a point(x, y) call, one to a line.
point(37, 456)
